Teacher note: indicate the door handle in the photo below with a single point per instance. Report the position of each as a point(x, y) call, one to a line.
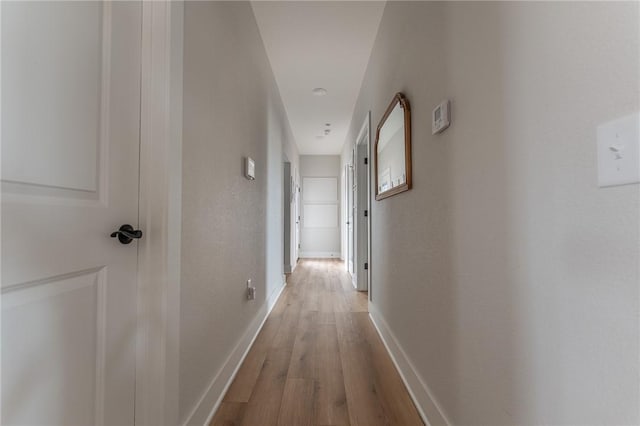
point(126, 234)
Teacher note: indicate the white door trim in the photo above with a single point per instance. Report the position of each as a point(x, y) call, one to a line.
point(363, 253)
point(364, 138)
point(157, 358)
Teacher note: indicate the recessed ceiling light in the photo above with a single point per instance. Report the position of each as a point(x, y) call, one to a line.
point(319, 91)
point(327, 124)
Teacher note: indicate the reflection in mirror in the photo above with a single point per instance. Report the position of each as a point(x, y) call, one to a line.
point(393, 149)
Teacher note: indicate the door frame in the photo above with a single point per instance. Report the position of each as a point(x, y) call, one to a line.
point(158, 337)
point(363, 254)
point(353, 194)
point(288, 224)
point(348, 200)
point(297, 201)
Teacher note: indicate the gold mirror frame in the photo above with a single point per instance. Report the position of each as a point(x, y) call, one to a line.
point(399, 98)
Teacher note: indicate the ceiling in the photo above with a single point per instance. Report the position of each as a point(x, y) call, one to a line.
point(319, 45)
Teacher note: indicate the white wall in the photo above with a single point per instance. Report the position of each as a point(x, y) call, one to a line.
point(323, 241)
point(232, 227)
point(509, 280)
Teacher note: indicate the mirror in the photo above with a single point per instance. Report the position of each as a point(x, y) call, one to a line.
point(393, 149)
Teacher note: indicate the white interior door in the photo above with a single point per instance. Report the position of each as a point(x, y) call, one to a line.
point(350, 207)
point(297, 217)
point(354, 220)
point(289, 212)
point(70, 150)
point(362, 215)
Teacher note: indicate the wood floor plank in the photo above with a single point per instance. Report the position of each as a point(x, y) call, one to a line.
point(229, 414)
point(304, 357)
point(340, 303)
point(318, 361)
point(325, 307)
point(365, 408)
point(281, 305)
point(358, 301)
point(311, 298)
point(339, 291)
point(392, 393)
point(245, 380)
point(263, 407)
point(298, 403)
point(331, 403)
point(285, 337)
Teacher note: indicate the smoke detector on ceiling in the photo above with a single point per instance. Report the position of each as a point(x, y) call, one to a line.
point(319, 91)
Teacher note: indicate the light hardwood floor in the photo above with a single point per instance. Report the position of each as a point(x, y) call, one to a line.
point(318, 361)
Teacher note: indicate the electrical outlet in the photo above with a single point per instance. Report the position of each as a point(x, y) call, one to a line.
point(251, 291)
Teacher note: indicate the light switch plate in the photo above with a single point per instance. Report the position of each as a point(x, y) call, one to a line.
point(618, 151)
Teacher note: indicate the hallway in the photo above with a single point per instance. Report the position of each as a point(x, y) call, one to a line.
point(318, 361)
point(323, 213)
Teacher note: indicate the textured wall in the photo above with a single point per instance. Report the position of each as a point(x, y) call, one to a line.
point(232, 227)
point(509, 279)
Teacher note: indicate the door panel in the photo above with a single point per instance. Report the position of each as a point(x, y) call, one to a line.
point(59, 84)
point(53, 350)
point(297, 216)
point(362, 221)
point(320, 216)
point(70, 150)
point(350, 224)
point(354, 222)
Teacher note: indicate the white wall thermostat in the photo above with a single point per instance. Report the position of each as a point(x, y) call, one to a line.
point(441, 118)
point(250, 168)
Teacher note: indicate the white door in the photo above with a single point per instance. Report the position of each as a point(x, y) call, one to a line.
point(354, 219)
point(350, 225)
point(296, 203)
point(70, 148)
point(362, 215)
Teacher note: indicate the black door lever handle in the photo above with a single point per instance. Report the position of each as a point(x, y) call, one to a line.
point(126, 234)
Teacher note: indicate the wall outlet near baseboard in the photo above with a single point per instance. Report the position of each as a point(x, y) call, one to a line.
point(251, 291)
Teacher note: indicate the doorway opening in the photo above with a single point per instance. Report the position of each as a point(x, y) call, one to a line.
point(288, 202)
point(357, 199)
point(286, 208)
point(349, 204)
point(362, 208)
point(291, 215)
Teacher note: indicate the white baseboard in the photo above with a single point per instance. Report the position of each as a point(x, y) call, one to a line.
point(429, 409)
point(320, 255)
point(211, 399)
